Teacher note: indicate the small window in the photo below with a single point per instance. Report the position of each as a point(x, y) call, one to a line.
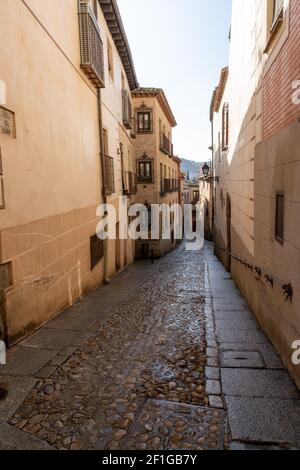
point(110, 60)
point(144, 123)
point(225, 127)
point(97, 252)
point(279, 223)
point(145, 172)
point(278, 4)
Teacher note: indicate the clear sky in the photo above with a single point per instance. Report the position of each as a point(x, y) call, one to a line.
point(181, 46)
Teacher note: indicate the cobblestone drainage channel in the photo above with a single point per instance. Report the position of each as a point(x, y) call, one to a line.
point(3, 393)
point(164, 425)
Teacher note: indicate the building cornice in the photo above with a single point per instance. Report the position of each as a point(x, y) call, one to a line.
point(220, 89)
point(114, 22)
point(162, 99)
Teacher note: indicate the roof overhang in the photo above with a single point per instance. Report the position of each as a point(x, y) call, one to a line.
point(162, 99)
point(219, 91)
point(114, 21)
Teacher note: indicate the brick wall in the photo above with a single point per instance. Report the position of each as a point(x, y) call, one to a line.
point(278, 108)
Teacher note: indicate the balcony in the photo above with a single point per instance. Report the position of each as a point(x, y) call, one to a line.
point(145, 180)
point(110, 174)
point(91, 46)
point(165, 186)
point(165, 144)
point(126, 109)
point(168, 185)
point(175, 185)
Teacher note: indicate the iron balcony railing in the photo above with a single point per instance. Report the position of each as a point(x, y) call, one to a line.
point(168, 185)
point(127, 109)
point(145, 179)
point(165, 144)
point(165, 185)
point(91, 46)
point(110, 174)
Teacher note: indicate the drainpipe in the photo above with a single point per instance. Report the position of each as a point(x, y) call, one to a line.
point(104, 186)
point(212, 180)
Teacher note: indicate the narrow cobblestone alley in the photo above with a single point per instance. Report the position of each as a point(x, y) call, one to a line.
point(136, 366)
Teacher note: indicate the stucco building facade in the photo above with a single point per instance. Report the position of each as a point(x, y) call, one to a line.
point(158, 169)
point(255, 123)
point(66, 147)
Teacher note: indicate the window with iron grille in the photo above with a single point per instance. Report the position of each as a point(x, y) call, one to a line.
point(91, 46)
point(144, 121)
point(145, 171)
point(279, 218)
point(225, 127)
point(97, 250)
point(126, 108)
point(110, 174)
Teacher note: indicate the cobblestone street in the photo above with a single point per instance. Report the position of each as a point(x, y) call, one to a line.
point(136, 365)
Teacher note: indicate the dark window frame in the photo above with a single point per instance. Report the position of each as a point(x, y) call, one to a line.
point(225, 127)
point(143, 177)
point(141, 126)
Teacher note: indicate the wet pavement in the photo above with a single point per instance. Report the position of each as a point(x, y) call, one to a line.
point(168, 356)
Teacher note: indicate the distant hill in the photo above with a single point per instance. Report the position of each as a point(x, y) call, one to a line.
point(191, 168)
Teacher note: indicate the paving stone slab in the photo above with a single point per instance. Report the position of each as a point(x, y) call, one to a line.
point(226, 315)
point(25, 361)
point(236, 445)
point(169, 426)
point(242, 336)
point(230, 305)
point(76, 319)
point(14, 439)
point(239, 323)
point(18, 389)
point(264, 420)
point(242, 359)
point(258, 383)
point(216, 401)
point(47, 338)
point(212, 373)
point(213, 387)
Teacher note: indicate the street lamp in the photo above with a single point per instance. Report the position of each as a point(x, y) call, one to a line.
point(205, 169)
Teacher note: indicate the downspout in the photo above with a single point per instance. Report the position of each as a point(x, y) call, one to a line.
point(212, 180)
point(104, 186)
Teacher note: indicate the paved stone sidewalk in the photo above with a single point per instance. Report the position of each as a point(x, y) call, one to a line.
point(262, 403)
point(157, 360)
